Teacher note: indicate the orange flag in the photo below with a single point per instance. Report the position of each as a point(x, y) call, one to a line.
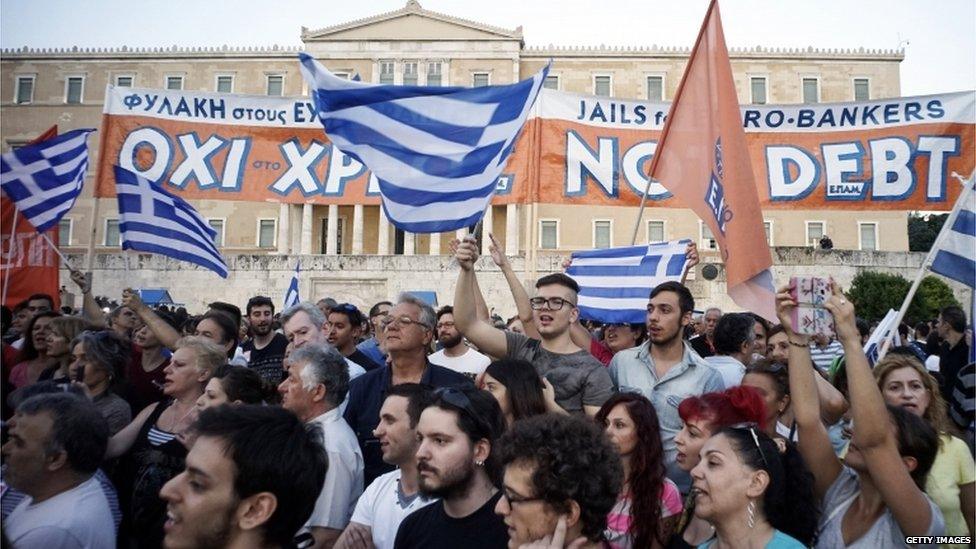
point(702, 159)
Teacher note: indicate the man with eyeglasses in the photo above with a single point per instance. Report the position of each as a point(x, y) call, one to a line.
point(457, 460)
point(408, 330)
point(303, 324)
point(581, 382)
point(455, 353)
point(345, 327)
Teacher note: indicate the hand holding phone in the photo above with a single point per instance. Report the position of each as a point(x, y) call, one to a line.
point(810, 317)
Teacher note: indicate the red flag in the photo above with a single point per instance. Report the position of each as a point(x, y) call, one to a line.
point(702, 159)
point(31, 261)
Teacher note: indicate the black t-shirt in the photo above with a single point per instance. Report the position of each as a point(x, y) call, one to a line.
point(431, 528)
point(363, 360)
point(267, 361)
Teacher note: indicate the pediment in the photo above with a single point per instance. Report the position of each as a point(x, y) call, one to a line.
point(412, 23)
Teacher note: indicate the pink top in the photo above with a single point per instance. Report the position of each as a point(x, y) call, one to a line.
point(619, 520)
point(18, 376)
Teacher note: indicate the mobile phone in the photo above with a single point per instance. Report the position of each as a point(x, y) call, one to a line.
point(810, 317)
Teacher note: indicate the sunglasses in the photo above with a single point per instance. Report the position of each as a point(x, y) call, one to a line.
point(457, 399)
point(753, 429)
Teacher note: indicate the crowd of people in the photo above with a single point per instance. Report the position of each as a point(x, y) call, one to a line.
point(404, 427)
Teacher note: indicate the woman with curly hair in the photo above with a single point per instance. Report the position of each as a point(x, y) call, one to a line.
point(951, 483)
point(649, 503)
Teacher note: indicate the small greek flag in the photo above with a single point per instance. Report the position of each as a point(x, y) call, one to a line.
point(153, 220)
point(954, 251)
point(616, 283)
point(291, 296)
point(436, 151)
point(45, 179)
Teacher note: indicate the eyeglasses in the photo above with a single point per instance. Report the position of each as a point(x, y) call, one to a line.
point(552, 303)
point(402, 322)
point(752, 428)
point(445, 325)
point(515, 499)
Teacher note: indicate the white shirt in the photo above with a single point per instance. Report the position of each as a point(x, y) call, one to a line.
point(471, 363)
point(344, 478)
point(731, 369)
point(79, 517)
point(382, 508)
point(355, 370)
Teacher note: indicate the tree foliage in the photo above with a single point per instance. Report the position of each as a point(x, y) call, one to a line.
point(932, 295)
point(922, 231)
point(873, 293)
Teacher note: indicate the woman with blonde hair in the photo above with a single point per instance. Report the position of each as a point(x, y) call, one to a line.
point(61, 332)
point(951, 483)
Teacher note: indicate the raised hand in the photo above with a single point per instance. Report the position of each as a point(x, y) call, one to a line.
point(497, 254)
point(82, 280)
point(467, 254)
point(691, 255)
point(131, 299)
point(784, 309)
point(843, 311)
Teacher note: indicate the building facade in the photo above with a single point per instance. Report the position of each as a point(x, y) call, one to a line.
point(413, 45)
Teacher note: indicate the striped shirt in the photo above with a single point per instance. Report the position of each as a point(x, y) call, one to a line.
point(158, 437)
point(823, 356)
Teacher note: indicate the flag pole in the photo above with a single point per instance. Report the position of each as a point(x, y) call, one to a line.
point(10, 249)
point(90, 260)
point(640, 211)
point(57, 251)
point(923, 270)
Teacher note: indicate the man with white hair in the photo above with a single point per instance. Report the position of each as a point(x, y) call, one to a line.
point(303, 324)
point(317, 382)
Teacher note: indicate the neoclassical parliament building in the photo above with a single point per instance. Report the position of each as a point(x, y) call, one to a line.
point(413, 45)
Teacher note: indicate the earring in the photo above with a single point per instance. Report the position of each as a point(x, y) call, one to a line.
point(480, 463)
point(751, 509)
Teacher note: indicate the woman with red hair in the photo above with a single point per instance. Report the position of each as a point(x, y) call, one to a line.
point(704, 415)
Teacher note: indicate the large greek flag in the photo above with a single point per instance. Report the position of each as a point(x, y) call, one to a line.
point(954, 251)
point(45, 179)
point(153, 220)
point(436, 151)
point(616, 283)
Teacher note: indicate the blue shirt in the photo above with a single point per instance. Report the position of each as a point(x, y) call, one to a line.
point(778, 541)
point(371, 349)
point(366, 395)
point(632, 370)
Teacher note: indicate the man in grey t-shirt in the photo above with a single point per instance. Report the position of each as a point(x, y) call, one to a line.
point(580, 381)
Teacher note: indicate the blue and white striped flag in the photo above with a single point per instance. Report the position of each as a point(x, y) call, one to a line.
point(291, 296)
point(954, 251)
point(436, 151)
point(153, 220)
point(616, 283)
point(45, 179)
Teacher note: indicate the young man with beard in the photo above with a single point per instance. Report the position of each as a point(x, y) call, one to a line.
point(665, 369)
point(391, 497)
point(457, 461)
point(265, 350)
point(251, 480)
point(580, 381)
point(345, 327)
point(455, 353)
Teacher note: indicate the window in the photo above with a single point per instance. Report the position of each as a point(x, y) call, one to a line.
point(64, 231)
point(225, 83)
point(399, 241)
point(548, 234)
point(124, 80)
point(386, 72)
point(409, 74)
point(217, 225)
point(112, 233)
point(815, 231)
point(757, 85)
point(768, 227)
point(707, 238)
point(25, 90)
point(552, 82)
point(267, 233)
point(434, 75)
point(339, 232)
point(480, 79)
point(602, 230)
point(811, 90)
point(862, 89)
point(276, 85)
point(655, 88)
point(655, 231)
point(342, 75)
point(868, 236)
point(174, 82)
point(602, 86)
point(74, 89)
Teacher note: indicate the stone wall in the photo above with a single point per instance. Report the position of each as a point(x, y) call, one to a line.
point(365, 279)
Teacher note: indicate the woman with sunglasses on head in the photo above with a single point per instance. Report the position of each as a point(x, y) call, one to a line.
point(702, 416)
point(951, 483)
point(755, 491)
point(649, 503)
point(875, 497)
point(236, 385)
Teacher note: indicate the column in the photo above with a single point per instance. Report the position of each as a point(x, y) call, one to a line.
point(296, 229)
point(332, 230)
point(357, 229)
point(284, 229)
point(435, 244)
point(306, 247)
point(383, 242)
point(511, 230)
point(409, 243)
point(486, 228)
